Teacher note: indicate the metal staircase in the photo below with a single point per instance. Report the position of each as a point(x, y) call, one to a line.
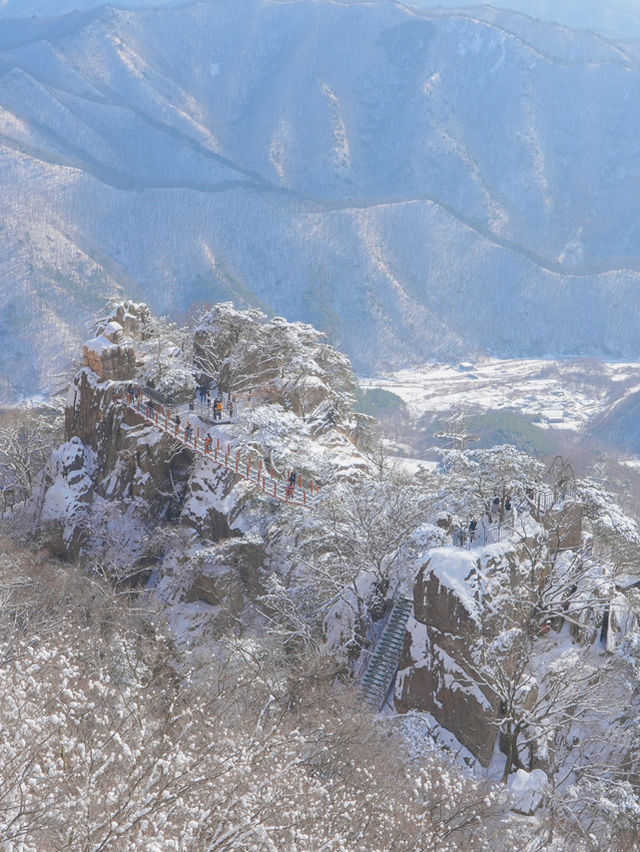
point(385, 657)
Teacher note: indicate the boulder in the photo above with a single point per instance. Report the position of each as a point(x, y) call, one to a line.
point(108, 359)
point(436, 674)
point(458, 602)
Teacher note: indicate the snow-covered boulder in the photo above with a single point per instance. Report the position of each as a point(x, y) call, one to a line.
point(110, 359)
point(527, 790)
point(457, 598)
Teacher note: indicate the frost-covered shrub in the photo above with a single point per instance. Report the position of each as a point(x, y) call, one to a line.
point(111, 741)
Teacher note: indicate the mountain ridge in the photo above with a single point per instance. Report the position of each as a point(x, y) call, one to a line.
point(348, 165)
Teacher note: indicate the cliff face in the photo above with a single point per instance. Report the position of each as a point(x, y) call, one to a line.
point(435, 671)
point(125, 495)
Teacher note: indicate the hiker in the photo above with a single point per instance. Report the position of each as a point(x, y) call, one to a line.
point(202, 391)
point(217, 408)
point(150, 408)
point(291, 485)
point(177, 421)
point(495, 507)
point(473, 524)
point(232, 406)
point(188, 432)
point(130, 391)
point(208, 403)
point(207, 443)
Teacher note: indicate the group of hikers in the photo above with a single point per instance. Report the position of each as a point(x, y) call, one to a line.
point(216, 404)
point(493, 515)
point(135, 394)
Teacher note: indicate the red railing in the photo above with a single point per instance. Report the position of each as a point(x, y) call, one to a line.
point(256, 471)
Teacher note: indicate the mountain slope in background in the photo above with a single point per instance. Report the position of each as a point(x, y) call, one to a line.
point(420, 184)
point(614, 18)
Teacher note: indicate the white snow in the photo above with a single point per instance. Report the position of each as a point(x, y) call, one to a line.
point(99, 344)
point(528, 789)
point(453, 568)
point(542, 389)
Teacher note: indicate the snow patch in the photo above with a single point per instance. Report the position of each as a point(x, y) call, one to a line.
point(453, 568)
point(528, 789)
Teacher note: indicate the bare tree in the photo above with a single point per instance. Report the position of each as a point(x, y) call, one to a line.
point(26, 440)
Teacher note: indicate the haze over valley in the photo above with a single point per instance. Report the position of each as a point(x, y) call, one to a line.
point(420, 183)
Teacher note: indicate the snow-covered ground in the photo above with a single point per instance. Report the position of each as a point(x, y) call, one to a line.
point(544, 390)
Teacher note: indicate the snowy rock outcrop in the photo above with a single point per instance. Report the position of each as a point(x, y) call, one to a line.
point(147, 503)
point(112, 354)
point(110, 358)
point(459, 600)
point(66, 495)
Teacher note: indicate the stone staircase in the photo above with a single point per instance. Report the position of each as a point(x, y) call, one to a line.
point(383, 664)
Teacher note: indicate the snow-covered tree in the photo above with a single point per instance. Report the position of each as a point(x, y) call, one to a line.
point(347, 559)
point(112, 739)
point(167, 353)
point(26, 440)
point(273, 361)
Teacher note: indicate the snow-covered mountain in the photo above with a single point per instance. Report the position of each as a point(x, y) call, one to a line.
point(614, 18)
point(51, 8)
point(418, 182)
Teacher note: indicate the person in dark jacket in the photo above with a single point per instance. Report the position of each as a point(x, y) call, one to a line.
point(473, 525)
point(495, 507)
point(291, 485)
